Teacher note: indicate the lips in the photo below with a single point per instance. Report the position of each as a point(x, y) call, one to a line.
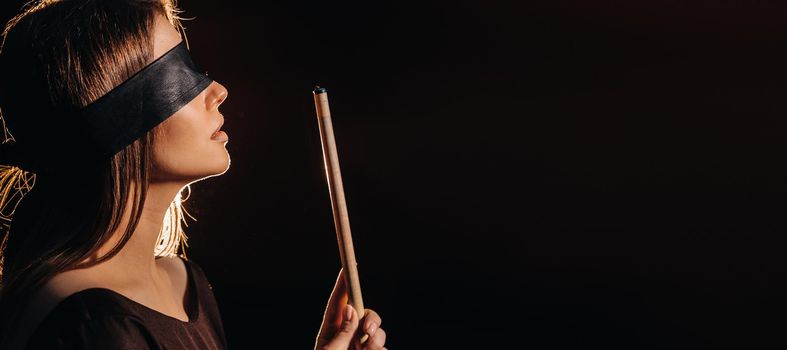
point(218, 128)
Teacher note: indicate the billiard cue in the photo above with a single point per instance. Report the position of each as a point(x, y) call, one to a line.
point(340, 217)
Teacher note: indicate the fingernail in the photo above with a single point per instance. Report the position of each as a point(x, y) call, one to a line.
point(372, 327)
point(348, 312)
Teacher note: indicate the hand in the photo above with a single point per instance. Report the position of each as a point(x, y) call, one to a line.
point(338, 330)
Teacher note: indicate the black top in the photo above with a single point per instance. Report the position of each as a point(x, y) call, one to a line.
point(100, 318)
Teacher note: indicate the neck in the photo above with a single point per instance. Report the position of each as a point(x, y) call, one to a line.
point(136, 260)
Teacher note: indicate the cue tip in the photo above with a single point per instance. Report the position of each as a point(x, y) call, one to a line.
point(318, 90)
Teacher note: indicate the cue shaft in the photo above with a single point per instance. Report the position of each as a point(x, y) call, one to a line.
point(336, 188)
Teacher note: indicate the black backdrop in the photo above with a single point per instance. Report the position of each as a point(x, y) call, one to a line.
point(536, 174)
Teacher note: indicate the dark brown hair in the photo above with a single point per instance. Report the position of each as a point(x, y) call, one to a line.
point(54, 220)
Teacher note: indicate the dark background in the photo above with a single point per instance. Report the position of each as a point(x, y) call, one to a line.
point(522, 174)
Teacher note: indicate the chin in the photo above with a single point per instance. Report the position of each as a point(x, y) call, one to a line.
point(222, 166)
point(195, 167)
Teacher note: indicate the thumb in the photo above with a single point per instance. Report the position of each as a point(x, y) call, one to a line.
point(339, 297)
point(343, 338)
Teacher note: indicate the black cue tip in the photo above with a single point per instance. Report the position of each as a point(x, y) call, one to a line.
point(318, 90)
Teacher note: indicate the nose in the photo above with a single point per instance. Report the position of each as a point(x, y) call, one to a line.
point(217, 93)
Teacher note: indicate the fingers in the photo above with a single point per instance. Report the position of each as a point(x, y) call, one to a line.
point(341, 322)
point(371, 326)
point(376, 341)
point(342, 339)
point(371, 320)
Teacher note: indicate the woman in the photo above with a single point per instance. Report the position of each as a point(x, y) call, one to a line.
point(110, 121)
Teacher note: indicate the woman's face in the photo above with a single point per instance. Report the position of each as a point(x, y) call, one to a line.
point(185, 151)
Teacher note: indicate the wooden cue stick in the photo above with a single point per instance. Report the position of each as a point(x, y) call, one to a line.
point(340, 217)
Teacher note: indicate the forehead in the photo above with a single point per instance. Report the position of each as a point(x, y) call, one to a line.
point(165, 36)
